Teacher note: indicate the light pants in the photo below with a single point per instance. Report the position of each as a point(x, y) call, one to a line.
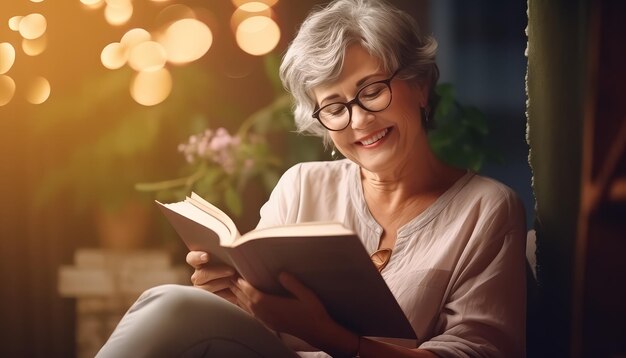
point(183, 321)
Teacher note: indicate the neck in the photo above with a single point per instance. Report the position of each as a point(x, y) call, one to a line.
point(418, 178)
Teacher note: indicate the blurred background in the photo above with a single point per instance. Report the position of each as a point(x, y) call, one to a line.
point(108, 105)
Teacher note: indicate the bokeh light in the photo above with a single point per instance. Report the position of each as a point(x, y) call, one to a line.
point(32, 26)
point(269, 3)
point(147, 56)
point(174, 13)
point(257, 35)
point(38, 91)
point(113, 56)
point(186, 40)
point(7, 57)
point(93, 4)
point(14, 23)
point(7, 89)
point(36, 0)
point(118, 12)
point(134, 37)
point(118, 3)
point(35, 47)
point(182, 35)
point(151, 88)
point(248, 10)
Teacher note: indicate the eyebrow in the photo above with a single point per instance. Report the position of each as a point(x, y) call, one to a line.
point(358, 84)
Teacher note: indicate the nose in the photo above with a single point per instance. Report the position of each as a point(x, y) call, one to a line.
point(361, 117)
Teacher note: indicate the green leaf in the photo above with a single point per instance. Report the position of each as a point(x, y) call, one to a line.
point(271, 62)
point(270, 179)
point(209, 179)
point(476, 120)
point(233, 201)
point(446, 100)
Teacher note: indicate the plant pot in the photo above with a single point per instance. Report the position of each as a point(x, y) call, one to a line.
point(125, 228)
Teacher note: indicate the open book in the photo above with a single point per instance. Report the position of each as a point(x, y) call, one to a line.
point(324, 256)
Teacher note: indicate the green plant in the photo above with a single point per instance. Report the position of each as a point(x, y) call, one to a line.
point(220, 167)
point(460, 136)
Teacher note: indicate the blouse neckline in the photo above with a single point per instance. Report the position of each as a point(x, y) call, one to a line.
point(432, 211)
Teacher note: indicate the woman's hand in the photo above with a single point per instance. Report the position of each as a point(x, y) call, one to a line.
point(302, 315)
point(215, 278)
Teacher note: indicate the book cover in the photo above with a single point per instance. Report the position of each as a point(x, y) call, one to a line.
point(325, 256)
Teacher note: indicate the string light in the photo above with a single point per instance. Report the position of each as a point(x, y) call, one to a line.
point(32, 28)
point(179, 39)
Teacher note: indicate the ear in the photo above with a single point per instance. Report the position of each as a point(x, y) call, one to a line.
point(422, 92)
point(424, 95)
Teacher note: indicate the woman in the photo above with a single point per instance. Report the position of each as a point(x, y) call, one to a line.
point(362, 76)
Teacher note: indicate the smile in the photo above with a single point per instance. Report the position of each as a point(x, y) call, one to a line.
point(375, 138)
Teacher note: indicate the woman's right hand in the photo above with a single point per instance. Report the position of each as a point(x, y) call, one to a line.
point(216, 278)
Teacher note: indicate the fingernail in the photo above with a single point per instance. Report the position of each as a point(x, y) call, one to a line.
point(204, 257)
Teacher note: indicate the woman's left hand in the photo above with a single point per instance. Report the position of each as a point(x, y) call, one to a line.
point(302, 315)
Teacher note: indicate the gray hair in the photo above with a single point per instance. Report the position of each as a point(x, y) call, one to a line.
point(316, 54)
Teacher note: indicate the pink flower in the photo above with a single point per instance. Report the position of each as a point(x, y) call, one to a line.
point(218, 146)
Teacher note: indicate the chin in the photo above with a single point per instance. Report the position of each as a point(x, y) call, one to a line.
point(375, 165)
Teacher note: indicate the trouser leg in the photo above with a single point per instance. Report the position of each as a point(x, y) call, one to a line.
point(183, 321)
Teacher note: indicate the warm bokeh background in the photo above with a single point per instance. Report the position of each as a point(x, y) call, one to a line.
point(76, 156)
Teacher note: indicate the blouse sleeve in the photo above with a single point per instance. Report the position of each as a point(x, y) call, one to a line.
point(282, 206)
point(485, 312)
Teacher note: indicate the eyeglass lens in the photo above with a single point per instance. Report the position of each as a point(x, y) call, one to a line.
point(374, 97)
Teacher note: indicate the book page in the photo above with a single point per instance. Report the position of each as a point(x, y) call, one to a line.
point(203, 218)
point(321, 228)
point(198, 201)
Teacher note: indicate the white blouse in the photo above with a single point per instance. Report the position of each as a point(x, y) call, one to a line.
point(457, 269)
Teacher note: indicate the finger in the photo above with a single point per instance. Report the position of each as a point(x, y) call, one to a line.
point(242, 299)
point(216, 285)
point(197, 258)
point(228, 295)
point(206, 274)
point(296, 288)
point(247, 288)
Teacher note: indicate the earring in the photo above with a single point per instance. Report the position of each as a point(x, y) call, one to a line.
point(333, 153)
point(425, 119)
point(425, 113)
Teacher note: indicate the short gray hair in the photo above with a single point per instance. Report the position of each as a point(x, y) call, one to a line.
point(316, 54)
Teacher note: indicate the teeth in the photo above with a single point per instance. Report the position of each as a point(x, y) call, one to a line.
point(375, 138)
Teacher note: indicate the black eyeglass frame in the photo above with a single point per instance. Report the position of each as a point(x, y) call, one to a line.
point(355, 100)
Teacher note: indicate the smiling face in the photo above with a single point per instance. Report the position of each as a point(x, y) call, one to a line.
point(380, 142)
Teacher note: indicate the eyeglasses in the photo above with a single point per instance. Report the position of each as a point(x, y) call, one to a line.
point(381, 258)
point(374, 97)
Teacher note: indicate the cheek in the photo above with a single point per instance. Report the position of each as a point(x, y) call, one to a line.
point(336, 138)
point(341, 144)
point(407, 113)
